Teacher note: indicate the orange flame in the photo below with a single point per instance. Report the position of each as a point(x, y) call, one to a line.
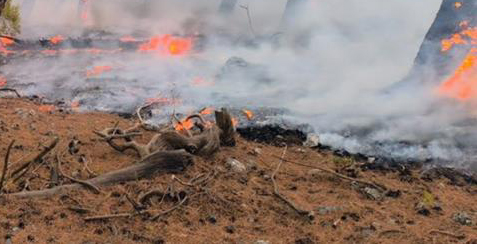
point(57, 39)
point(458, 39)
point(235, 122)
point(249, 114)
point(127, 39)
point(207, 111)
point(98, 70)
point(46, 108)
point(168, 44)
point(463, 83)
point(3, 81)
point(457, 4)
point(184, 125)
point(6, 41)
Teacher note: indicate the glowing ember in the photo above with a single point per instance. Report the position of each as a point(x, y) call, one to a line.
point(184, 125)
point(57, 39)
point(235, 122)
point(464, 24)
point(248, 114)
point(98, 70)
point(447, 44)
point(127, 39)
point(457, 4)
point(46, 108)
point(3, 81)
point(460, 39)
point(168, 44)
point(6, 41)
point(463, 84)
point(207, 111)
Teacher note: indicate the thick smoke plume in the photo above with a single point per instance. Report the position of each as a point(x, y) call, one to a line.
point(330, 68)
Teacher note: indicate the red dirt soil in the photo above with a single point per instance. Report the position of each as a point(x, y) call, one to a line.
point(234, 207)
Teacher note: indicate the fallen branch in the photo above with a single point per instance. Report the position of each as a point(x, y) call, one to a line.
point(11, 38)
point(5, 165)
point(109, 216)
point(20, 171)
point(447, 234)
point(378, 186)
point(205, 144)
point(145, 198)
point(171, 209)
point(309, 214)
point(11, 90)
point(158, 162)
point(86, 184)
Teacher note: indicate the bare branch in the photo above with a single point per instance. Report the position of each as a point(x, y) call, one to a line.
point(5, 165)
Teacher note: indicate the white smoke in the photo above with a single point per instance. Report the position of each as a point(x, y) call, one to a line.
point(329, 68)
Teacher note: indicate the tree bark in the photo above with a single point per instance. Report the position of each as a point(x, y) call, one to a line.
point(431, 63)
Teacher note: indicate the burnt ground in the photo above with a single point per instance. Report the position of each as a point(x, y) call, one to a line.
point(232, 206)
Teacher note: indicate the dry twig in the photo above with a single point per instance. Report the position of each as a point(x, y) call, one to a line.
point(20, 171)
point(108, 216)
point(367, 183)
point(306, 213)
point(86, 184)
point(171, 209)
point(5, 165)
point(11, 90)
point(462, 236)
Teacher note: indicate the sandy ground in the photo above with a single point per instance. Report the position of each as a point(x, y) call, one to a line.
point(232, 207)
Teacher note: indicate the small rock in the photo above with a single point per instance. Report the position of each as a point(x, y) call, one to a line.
point(300, 150)
point(422, 210)
point(256, 151)
point(262, 242)
point(393, 194)
point(236, 165)
point(372, 193)
point(230, 229)
point(462, 218)
point(212, 219)
point(312, 140)
point(323, 210)
point(252, 165)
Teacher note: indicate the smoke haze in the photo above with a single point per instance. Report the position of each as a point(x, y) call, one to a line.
point(329, 70)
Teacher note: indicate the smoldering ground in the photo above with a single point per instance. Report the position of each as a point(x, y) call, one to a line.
point(329, 68)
